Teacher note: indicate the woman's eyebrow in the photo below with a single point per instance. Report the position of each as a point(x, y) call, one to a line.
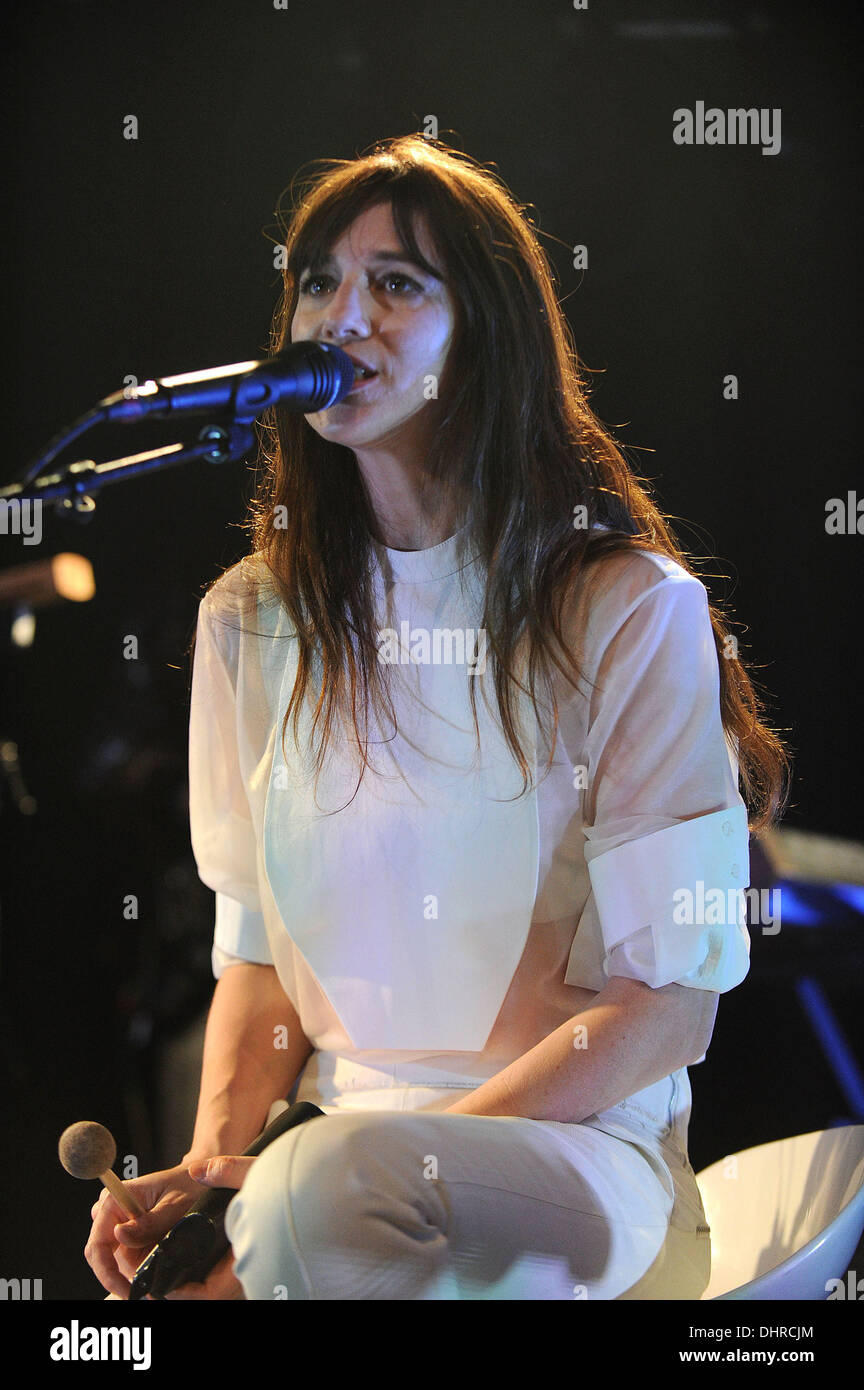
point(328, 262)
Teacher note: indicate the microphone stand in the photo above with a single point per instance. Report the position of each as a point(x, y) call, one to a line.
point(71, 488)
point(232, 397)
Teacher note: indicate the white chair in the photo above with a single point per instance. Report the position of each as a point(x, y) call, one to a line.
point(785, 1217)
point(275, 1111)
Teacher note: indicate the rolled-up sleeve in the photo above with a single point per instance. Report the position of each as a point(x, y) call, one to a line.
point(667, 840)
point(220, 821)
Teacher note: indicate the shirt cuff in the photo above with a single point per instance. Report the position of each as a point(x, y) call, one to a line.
point(671, 904)
point(240, 932)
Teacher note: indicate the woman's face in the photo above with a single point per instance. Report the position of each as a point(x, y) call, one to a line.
point(392, 316)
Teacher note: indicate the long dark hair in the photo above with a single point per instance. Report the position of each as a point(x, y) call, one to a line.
point(525, 458)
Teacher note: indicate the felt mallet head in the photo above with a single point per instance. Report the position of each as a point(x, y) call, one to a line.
point(87, 1150)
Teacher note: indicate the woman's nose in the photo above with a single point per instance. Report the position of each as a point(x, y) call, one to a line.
point(348, 310)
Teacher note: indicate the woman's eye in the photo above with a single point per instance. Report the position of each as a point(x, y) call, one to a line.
point(408, 284)
point(412, 286)
point(306, 285)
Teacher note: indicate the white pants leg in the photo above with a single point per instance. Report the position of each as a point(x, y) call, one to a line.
point(396, 1205)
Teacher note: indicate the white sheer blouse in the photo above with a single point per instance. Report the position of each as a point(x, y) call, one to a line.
point(436, 917)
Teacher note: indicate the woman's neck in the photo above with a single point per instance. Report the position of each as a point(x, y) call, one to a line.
point(409, 510)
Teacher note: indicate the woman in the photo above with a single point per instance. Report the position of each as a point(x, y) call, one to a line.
point(465, 733)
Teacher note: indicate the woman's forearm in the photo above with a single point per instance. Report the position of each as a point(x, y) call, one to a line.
point(254, 1049)
point(628, 1037)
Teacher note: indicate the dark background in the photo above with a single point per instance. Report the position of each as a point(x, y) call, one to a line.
point(153, 256)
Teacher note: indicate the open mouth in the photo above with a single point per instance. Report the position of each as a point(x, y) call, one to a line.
point(362, 377)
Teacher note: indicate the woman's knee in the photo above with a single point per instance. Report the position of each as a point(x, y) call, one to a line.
point(336, 1205)
point(324, 1167)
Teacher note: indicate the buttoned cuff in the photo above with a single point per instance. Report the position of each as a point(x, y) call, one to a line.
point(239, 933)
point(671, 905)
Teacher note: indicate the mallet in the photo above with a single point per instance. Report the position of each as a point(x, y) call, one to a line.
point(87, 1150)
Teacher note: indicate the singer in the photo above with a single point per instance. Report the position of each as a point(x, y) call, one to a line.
point(445, 899)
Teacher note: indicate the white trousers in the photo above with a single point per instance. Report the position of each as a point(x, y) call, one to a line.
point(402, 1205)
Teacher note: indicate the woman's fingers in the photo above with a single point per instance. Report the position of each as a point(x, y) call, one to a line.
point(149, 1228)
point(118, 1243)
point(129, 1258)
point(99, 1250)
point(226, 1170)
point(100, 1257)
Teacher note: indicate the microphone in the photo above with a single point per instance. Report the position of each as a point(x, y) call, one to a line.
point(305, 377)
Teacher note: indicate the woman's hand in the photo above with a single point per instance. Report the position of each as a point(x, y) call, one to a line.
point(118, 1243)
point(224, 1171)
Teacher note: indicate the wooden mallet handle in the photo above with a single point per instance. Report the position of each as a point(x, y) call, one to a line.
point(122, 1194)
